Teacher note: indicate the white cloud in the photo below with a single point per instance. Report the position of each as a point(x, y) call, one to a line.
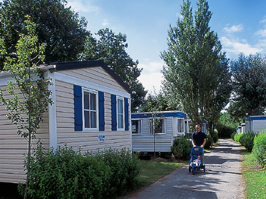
point(105, 22)
point(83, 6)
point(261, 33)
point(234, 28)
point(235, 46)
point(151, 76)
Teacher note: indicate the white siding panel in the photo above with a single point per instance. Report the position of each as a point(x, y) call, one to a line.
point(13, 146)
point(88, 141)
point(96, 75)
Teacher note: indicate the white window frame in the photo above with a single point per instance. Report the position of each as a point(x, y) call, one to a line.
point(138, 127)
point(87, 90)
point(118, 114)
point(153, 129)
point(183, 125)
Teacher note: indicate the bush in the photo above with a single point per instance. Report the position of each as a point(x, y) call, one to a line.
point(66, 173)
point(233, 135)
point(215, 137)
point(181, 147)
point(209, 141)
point(224, 131)
point(259, 149)
point(238, 136)
point(247, 140)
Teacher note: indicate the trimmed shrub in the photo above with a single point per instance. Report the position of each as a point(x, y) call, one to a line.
point(233, 135)
point(259, 149)
point(209, 141)
point(247, 140)
point(66, 173)
point(238, 136)
point(215, 137)
point(181, 147)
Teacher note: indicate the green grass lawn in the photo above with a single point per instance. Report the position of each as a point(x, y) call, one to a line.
point(152, 171)
point(254, 176)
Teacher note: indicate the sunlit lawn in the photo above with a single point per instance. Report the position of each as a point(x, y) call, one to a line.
point(152, 171)
point(254, 176)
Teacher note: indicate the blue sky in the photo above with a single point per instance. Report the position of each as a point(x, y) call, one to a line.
point(240, 25)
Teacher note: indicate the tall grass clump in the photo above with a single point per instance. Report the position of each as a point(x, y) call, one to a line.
point(259, 149)
point(65, 173)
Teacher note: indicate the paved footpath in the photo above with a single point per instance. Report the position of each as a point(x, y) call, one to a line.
point(221, 180)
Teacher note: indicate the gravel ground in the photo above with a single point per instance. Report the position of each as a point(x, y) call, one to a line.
point(221, 180)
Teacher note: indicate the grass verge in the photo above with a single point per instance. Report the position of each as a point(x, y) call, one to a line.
point(152, 171)
point(254, 176)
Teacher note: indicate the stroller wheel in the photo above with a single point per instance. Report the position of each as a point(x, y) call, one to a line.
point(193, 171)
point(189, 169)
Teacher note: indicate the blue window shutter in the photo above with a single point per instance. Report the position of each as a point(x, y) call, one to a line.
point(101, 111)
point(113, 107)
point(78, 107)
point(126, 114)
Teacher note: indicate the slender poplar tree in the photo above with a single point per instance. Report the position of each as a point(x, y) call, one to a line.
point(196, 70)
point(29, 88)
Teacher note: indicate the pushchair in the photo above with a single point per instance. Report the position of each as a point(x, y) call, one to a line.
point(195, 162)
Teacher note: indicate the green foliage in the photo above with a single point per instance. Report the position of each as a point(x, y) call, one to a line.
point(227, 120)
point(66, 173)
point(249, 74)
point(215, 137)
point(181, 147)
point(26, 111)
point(259, 149)
point(209, 141)
point(238, 136)
point(111, 48)
point(157, 102)
point(224, 131)
point(56, 25)
point(247, 140)
point(196, 71)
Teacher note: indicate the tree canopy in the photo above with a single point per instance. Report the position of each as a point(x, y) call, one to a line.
point(59, 28)
point(196, 70)
point(111, 48)
point(249, 86)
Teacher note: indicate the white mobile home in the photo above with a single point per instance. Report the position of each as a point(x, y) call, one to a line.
point(91, 110)
point(255, 123)
point(147, 135)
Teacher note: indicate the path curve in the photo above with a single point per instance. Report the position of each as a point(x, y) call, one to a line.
point(222, 179)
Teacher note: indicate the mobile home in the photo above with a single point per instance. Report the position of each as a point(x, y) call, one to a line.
point(90, 110)
point(255, 123)
point(156, 131)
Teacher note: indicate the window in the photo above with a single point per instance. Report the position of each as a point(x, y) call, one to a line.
point(180, 125)
point(88, 109)
point(157, 125)
point(136, 126)
point(120, 113)
point(90, 105)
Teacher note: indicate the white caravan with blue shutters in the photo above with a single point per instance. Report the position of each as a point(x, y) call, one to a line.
point(90, 111)
point(157, 130)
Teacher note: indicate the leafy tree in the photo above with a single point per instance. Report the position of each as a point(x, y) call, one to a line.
point(249, 86)
point(56, 26)
point(29, 87)
point(111, 48)
point(158, 102)
point(195, 68)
